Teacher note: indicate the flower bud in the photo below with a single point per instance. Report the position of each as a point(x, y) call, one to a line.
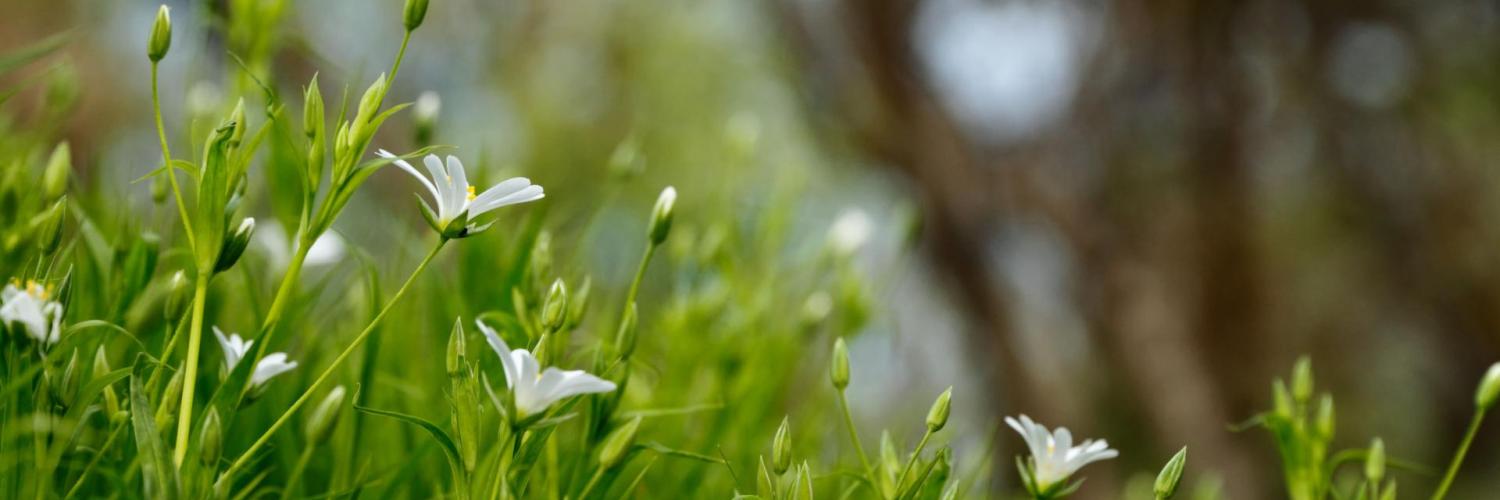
point(161, 35)
point(326, 416)
point(839, 367)
point(312, 109)
point(781, 448)
point(416, 11)
point(1171, 475)
point(937, 417)
point(457, 349)
point(55, 178)
point(67, 388)
point(234, 245)
point(625, 337)
point(1302, 380)
point(626, 162)
point(617, 443)
point(579, 304)
point(101, 367)
point(211, 437)
point(1375, 461)
point(170, 399)
point(1489, 388)
point(1281, 399)
point(425, 114)
point(555, 307)
point(237, 120)
point(48, 226)
point(661, 215)
point(1325, 420)
point(369, 105)
point(816, 310)
point(178, 294)
point(159, 189)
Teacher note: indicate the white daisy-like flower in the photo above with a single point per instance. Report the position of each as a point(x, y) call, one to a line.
point(535, 389)
point(1054, 458)
point(235, 349)
point(455, 198)
point(31, 309)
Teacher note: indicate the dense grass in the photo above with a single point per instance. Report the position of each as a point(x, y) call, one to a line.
point(384, 368)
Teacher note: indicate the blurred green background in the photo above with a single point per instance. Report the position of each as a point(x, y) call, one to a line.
point(1124, 217)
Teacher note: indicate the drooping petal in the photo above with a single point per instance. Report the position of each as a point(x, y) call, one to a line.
point(575, 382)
point(498, 344)
point(413, 171)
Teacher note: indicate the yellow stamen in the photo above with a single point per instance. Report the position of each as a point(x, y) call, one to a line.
point(471, 193)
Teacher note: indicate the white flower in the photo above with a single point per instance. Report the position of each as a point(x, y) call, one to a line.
point(327, 249)
point(850, 231)
point(1053, 455)
point(428, 106)
point(454, 196)
point(535, 389)
point(32, 309)
point(235, 349)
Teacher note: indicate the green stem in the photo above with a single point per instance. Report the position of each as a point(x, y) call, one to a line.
point(913, 460)
point(296, 475)
point(166, 352)
point(593, 481)
point(286, 415)
point(396, 66)
point(640, 274)
point(190, 378)
point(94, 461)
point(166, 156)
point(854, 437)
point(1458, 457)
point(284, 291)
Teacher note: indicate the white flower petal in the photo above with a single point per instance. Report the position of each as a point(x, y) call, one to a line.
point(460, 184)
point(413, 171)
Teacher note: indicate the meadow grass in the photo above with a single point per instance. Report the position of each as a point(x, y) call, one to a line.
point(167, 356)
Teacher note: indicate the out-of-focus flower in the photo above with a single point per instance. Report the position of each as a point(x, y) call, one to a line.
point(1053, 456)
point(535, 389)
point(328, 249)
point(31, 309)
point(849, 232)
point(455, 198)
point(235, 349)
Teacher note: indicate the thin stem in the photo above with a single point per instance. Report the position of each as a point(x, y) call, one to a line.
point(400, 54)
point(1458, 457)
point(296, 475)
point(854, 436)
point(166, 157)
point(286, 415)
point(166, 352)
point(94, 461)
point(593, 481)
point(190, 378)
point(640, 274)
point(913, 460)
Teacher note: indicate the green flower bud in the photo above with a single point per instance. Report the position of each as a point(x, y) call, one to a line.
point(211, 437)
point(67, 388)
point(101, 367)
point(1302, 380)
point(161, 35)
point(1375, 461)
point(1389, 493)
point(55, 178)
point(416, 11)
point(47, 226)
point(555, 307)
point(234, 245)
point(1171, 475)
point(457, 348)
point(1489, 388)
point(1281, 399)
point(579, 303)
point(1325, 419)
point(237, 119)
point(618, 443)
point(170, 399)
point(937, 417)
point(369, 106)
point(625, 337)
point(661, 215)
point(781, 448)
point(326, 416)
point(626, 162)
point(312, 109)
point(839, 367)
point(179, 292)
point(159, 189)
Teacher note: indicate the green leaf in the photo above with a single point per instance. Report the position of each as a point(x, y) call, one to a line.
point(156, 467)
point(450, 449)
